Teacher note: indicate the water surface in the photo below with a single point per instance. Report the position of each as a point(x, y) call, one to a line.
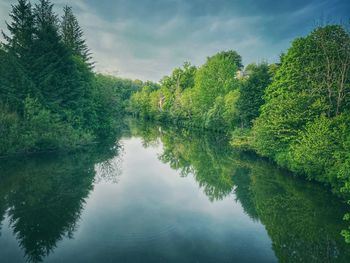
point(164, 195)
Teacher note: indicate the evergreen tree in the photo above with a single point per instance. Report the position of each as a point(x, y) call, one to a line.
point(21, 30)
point(15, 83)
point(54, 70)
point(73, 36)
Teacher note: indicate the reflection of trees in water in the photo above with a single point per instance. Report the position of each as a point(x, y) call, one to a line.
point(303, 219)
point(204, 157)
point(2, 210)
point(45, 196)
point(109, 171)
point(145, 130)
point(243, 193)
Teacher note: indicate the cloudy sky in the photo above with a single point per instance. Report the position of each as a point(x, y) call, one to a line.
point(146, 39)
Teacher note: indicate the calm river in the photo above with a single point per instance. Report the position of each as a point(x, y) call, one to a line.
point(164, 195)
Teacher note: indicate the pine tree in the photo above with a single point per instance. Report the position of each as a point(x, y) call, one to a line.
point(54, 69)
point(21, 30)
point(73, 36)
point(15, 83)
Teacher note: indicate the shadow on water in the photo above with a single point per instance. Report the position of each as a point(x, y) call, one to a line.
point(303, 219)
point(43, 197)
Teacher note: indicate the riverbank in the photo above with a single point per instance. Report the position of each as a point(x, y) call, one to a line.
point(294, 112)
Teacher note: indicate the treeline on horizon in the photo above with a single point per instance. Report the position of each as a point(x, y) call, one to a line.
point(50, 97)
point(295, 112)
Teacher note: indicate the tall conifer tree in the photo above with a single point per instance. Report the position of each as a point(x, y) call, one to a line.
point(21, 29)
point(73, 36)
point(15, 53)
point(54, 69)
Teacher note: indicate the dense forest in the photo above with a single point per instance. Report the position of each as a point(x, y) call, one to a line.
point(295, 112)
point(50, 97)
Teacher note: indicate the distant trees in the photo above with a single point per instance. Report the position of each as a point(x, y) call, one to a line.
point(203, 97)
point(165, 101)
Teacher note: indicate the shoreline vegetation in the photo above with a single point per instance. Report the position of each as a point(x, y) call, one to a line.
point(295, 112)
point(50, 96)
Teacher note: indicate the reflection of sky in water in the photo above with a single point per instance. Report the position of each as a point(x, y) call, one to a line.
point(128, 205)
point(153, 215)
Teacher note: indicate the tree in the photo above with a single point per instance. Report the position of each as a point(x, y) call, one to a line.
point(54, 70)
point(332, 49)
point(313, 79)
point(181, 78)
point(15, 83)
point(251, 94)
point(21, 30)
point(215, 78)
point(73, 36)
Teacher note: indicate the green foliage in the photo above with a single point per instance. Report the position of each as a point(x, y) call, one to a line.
point(295, 112)
point(204, 97)
point(107, 103)
point(21, 30)
point(303, 219)
point(242, 139)
point(49, 96)
point(181, 78)
point(214, 116)
point(215, 78)
point(72, 36)
point(140, 102)
point(9, 130)
point(15, 84)
point(39, 129)
point(45, 130)
point(303, 124)
point(251, 93)
point(53, 188)
point(312, 153)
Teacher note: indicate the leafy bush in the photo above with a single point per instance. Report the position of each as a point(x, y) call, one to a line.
point(45, 131)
